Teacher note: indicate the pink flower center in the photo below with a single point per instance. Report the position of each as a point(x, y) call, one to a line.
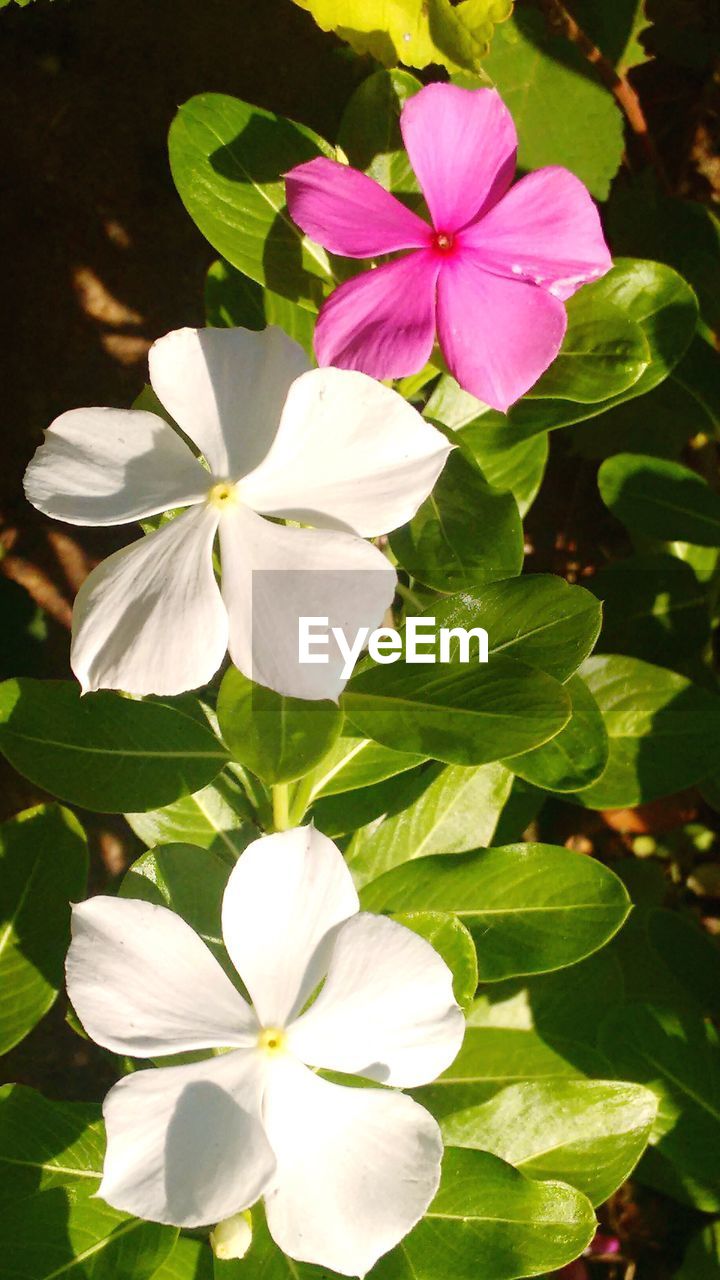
point(443, 241)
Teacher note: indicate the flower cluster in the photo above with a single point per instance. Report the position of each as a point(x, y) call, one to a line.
point(291, 470)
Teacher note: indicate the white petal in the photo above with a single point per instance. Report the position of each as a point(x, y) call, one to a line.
point(349, 453)
point(272, 576)
point(186, 1145)
point(283, 902)
point(111, 466)
point(226, 389)
point(150, 618)
point(143, 983)
point(356, 1168)
point(387, 1009)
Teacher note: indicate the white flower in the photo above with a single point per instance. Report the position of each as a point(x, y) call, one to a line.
point(345, 1172)
point(349, 457)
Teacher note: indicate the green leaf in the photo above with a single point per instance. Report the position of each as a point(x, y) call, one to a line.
point(404, 31)
point(218, 818)
point(450, 809)
point(683, 233)
point(277, 738)
point(604, 352)
point(543, 78)
point(493, 1057)
point(43, 868)
point(228, 159)
point(530, 908)
point(663, 731)
point(51, 1157)
point(648, 293)
point(189, 1260)
point(369, 132)
point(577, 755)
point(537, 619)
point(463, 715)
point(189, 881)
point(515, 465)
point(616, 29)
point(660, 499)
point(590, 1133)
point(353, 762)
point(233, 300)
point(702, 1258)
point(566, 1005)
point(653, 608)
point(492, 1222)
point(464, 535)
point(453, 942)
point(101, 750)
point(679, 1060)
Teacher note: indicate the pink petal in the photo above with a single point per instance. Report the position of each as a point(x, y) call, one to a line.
point(497, 335)
point(547, 230)
point(381, 322)
point(462, 145)
point(349, 213)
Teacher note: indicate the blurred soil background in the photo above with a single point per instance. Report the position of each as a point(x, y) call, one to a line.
point(100, 258)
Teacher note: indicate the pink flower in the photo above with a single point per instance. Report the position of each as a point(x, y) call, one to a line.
point(490, 273)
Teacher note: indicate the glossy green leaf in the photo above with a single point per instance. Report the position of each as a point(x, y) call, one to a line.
point(686, 403)
point(679, 1059)
point(369, 133)
point(43, 868)
point(465, 534)
point(530, 908)
point(604, 352)
point(590, 1133)
point(515, 465)
point(233, 300)
point(189, 1260)
point(50, 1166)
point(218, 818)
point(354, 762)
point(651, 295)
point(404, 31)
point(660, 499)
point(543, 77)
point(566, 1005)
point(653, 608)
point(448, 935)
point(491, 1058)
point(143, 754)
point(449, 810)
point(493, 1222)
point(228, 159)
point(465, 714)
point(577, 755)
point(537, 619)
point(663, 731)
point(277, 738)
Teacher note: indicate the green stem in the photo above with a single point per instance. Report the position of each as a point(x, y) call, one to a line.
point(281, 806)
point(301, 799)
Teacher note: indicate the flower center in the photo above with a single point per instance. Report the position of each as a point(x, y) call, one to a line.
point(223, 494)
point(443, 241)
point(272, 1040)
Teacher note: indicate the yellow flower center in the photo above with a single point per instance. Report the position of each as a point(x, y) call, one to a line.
point(223, 494)
point(272, 1040)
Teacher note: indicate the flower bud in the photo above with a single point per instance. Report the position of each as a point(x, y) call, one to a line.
point(232, 1237)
